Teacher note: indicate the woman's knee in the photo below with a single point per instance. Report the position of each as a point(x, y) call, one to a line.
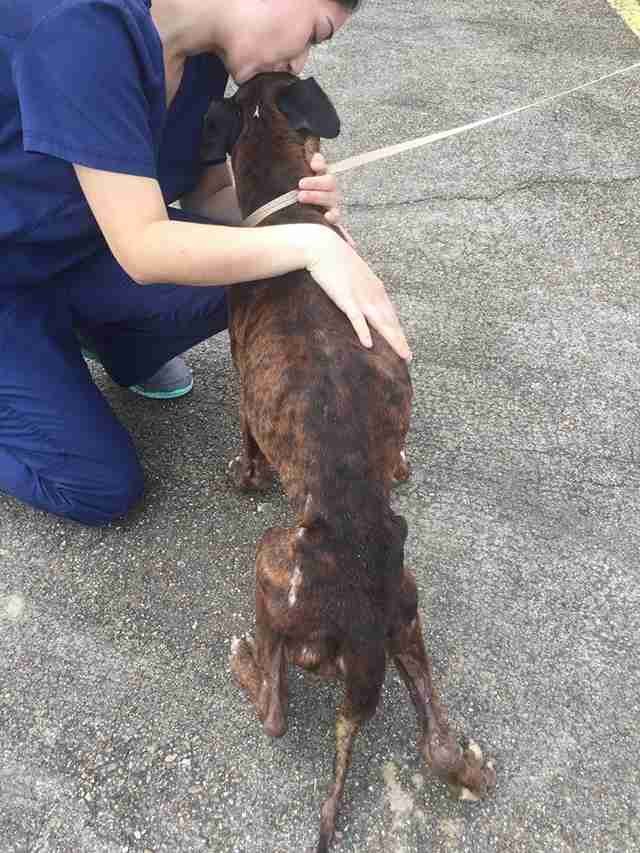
point(104, 502)
point(89, 492)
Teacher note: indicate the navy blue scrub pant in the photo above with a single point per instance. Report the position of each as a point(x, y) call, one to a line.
point(61, 447)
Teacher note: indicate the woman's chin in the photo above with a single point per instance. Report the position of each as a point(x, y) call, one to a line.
point(243, 74)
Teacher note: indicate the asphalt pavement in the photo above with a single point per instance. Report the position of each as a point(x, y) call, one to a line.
point(512, 254)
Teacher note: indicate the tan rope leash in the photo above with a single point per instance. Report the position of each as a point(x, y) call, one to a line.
point(291, 197)
point(270, 207)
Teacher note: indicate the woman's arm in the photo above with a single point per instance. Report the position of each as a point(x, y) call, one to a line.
point(214, 197)
point(132, 216)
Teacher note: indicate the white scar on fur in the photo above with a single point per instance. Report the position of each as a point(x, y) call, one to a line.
point(296, 583)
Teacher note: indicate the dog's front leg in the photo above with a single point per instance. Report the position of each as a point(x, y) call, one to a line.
point(250, 471)
point(463, 770)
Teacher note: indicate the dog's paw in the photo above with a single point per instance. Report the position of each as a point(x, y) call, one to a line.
point(474, 758)
point(235, 645)
point(477, 776)
point(464, 769)
point(244, 665)
point(241, 647)
point(236, 470)
point(402, 471)
point(250, 476)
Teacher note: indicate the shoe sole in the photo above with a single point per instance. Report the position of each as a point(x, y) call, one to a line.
point(161, 395)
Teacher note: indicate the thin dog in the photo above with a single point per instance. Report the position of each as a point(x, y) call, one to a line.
point(330, 417)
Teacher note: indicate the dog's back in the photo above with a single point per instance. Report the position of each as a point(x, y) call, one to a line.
point(329, 415)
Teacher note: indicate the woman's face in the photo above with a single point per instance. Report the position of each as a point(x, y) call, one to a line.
point(280, 34)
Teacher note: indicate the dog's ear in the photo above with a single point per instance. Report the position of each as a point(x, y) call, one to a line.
point(308, 108)
point(222, 127)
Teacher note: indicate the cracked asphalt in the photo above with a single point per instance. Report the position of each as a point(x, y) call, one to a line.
point(512, 255)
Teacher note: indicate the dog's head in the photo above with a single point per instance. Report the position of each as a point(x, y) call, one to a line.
point(271, 127)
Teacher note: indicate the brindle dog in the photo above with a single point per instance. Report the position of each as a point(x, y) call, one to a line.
point(332, 593)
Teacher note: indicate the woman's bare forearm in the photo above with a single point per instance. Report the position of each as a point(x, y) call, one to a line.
point(154, 249)
point(189, 253)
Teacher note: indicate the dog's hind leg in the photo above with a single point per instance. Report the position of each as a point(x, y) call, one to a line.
point(362, 692)
point(273, 701)
point(260, 667)
point(261, 670)
point(463, 770)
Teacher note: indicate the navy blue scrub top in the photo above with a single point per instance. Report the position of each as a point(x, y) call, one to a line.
point(82, 81)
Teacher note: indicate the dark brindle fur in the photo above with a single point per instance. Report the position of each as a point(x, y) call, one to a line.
point(332, 593)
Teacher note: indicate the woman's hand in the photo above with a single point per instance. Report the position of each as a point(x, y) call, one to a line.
point(322, 190)
point(355, 289)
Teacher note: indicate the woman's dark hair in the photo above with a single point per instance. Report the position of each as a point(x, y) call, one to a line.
point(349, 5)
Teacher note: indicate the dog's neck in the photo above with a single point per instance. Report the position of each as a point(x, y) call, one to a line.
point(258, 182)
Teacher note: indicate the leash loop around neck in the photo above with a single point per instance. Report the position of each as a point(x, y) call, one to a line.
point(358, 160)
point(271, 207)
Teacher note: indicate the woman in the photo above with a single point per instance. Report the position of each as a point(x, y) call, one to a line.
point(101, 106)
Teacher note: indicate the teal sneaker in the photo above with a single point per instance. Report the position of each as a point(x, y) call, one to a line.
point(174, 379)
